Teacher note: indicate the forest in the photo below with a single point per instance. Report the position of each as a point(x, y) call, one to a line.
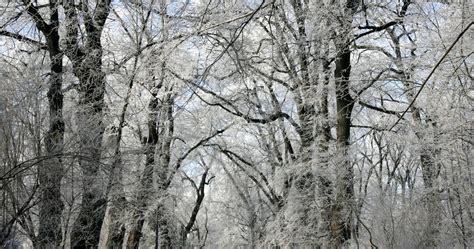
point(236, 124)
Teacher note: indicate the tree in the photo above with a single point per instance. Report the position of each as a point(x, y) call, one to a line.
point(86, 59)
point(51, 170)
point(176, 124)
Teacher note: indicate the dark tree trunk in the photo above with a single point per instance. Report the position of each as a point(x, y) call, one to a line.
point(118, 204)
point(341, 223)
point(341, 209)
point(86, 230)
point(162, 231)
point(164, 225)
point(197, 206)
point(164, 132)
point(51, 171)
point(87, 65)
point(433, 203)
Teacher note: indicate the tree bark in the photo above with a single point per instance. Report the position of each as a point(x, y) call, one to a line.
point(341, 209)
point(163, 226)
point(86, 229)
point(305, 182)
point(162, 229)
point(51, 171)
point(341, 214)
point(87, 66)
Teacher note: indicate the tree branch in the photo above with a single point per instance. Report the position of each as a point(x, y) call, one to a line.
point(375, 108)
point(23, 38)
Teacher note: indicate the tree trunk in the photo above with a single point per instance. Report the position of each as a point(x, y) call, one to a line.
point(325, 185)
point(430, 175)
point(118, 203)
point(162, 232)
point(86, 230)
point(430, 172)
point(51, 171)
point(305, 182)
point(155, 125)
point(146, 181)
point(341, 209)
point(115, 192)
point(116, 228)
point(341, 213)
point(163, 226)
point(87, 66)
